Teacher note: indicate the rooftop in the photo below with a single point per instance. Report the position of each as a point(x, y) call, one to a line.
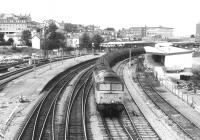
point(125, 42)
point(168, 50)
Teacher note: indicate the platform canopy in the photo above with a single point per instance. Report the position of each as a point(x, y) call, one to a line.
point(170, 50)
point(126, 43)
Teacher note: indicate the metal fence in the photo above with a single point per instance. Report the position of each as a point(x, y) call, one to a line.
point(185, 96)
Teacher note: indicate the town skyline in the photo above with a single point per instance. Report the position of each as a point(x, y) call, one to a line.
point(180, 15)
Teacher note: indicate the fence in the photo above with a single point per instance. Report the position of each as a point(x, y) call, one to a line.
point(186, 97)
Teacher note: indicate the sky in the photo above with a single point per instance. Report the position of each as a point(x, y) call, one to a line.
point(182, 15)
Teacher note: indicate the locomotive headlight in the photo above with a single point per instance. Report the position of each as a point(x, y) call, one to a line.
point(115, 96)
point(112, 101)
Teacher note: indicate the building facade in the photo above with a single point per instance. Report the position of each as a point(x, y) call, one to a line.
point(132, 34)
point(146, 33)
point(36, 40)
point(12, 26)
point(72, 39)
point(10, 23)
point(158, 33)
point(108, 35)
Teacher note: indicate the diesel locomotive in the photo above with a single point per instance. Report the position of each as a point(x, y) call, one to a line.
point(108, 90)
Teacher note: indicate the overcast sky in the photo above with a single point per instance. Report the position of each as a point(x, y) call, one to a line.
point(182, 15)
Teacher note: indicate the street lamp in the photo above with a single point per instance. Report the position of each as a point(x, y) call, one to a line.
point(100, 47)
point(93, 47)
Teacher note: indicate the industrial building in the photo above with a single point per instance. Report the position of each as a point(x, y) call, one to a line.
point(172, 58)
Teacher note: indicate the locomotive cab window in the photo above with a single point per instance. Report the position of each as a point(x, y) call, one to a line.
point(104, 86)
point(117, 87)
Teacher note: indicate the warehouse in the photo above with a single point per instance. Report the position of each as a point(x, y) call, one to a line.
point(172, 58)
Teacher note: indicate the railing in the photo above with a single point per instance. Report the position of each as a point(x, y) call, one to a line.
point(187, 97)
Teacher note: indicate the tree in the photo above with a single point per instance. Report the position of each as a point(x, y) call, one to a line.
point(51, 28)
point(26, 37)
point(97, 40)
point(10, 41)
point(53, 39)
point(192, 36)
point(70, 27)
point(85, 41)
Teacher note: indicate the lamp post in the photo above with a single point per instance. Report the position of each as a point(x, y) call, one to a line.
point(100, 47)
point(93, 48)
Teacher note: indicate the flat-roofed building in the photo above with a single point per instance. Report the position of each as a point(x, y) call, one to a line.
point(172, 58)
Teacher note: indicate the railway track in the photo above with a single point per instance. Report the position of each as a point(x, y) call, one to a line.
point(3, 67)
point(105, 129)
point(40, 123)
point(126, 126)
point(115, 128)
point(76, 128)
point(26, 69)
point(137, 124)
point(184, 124)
